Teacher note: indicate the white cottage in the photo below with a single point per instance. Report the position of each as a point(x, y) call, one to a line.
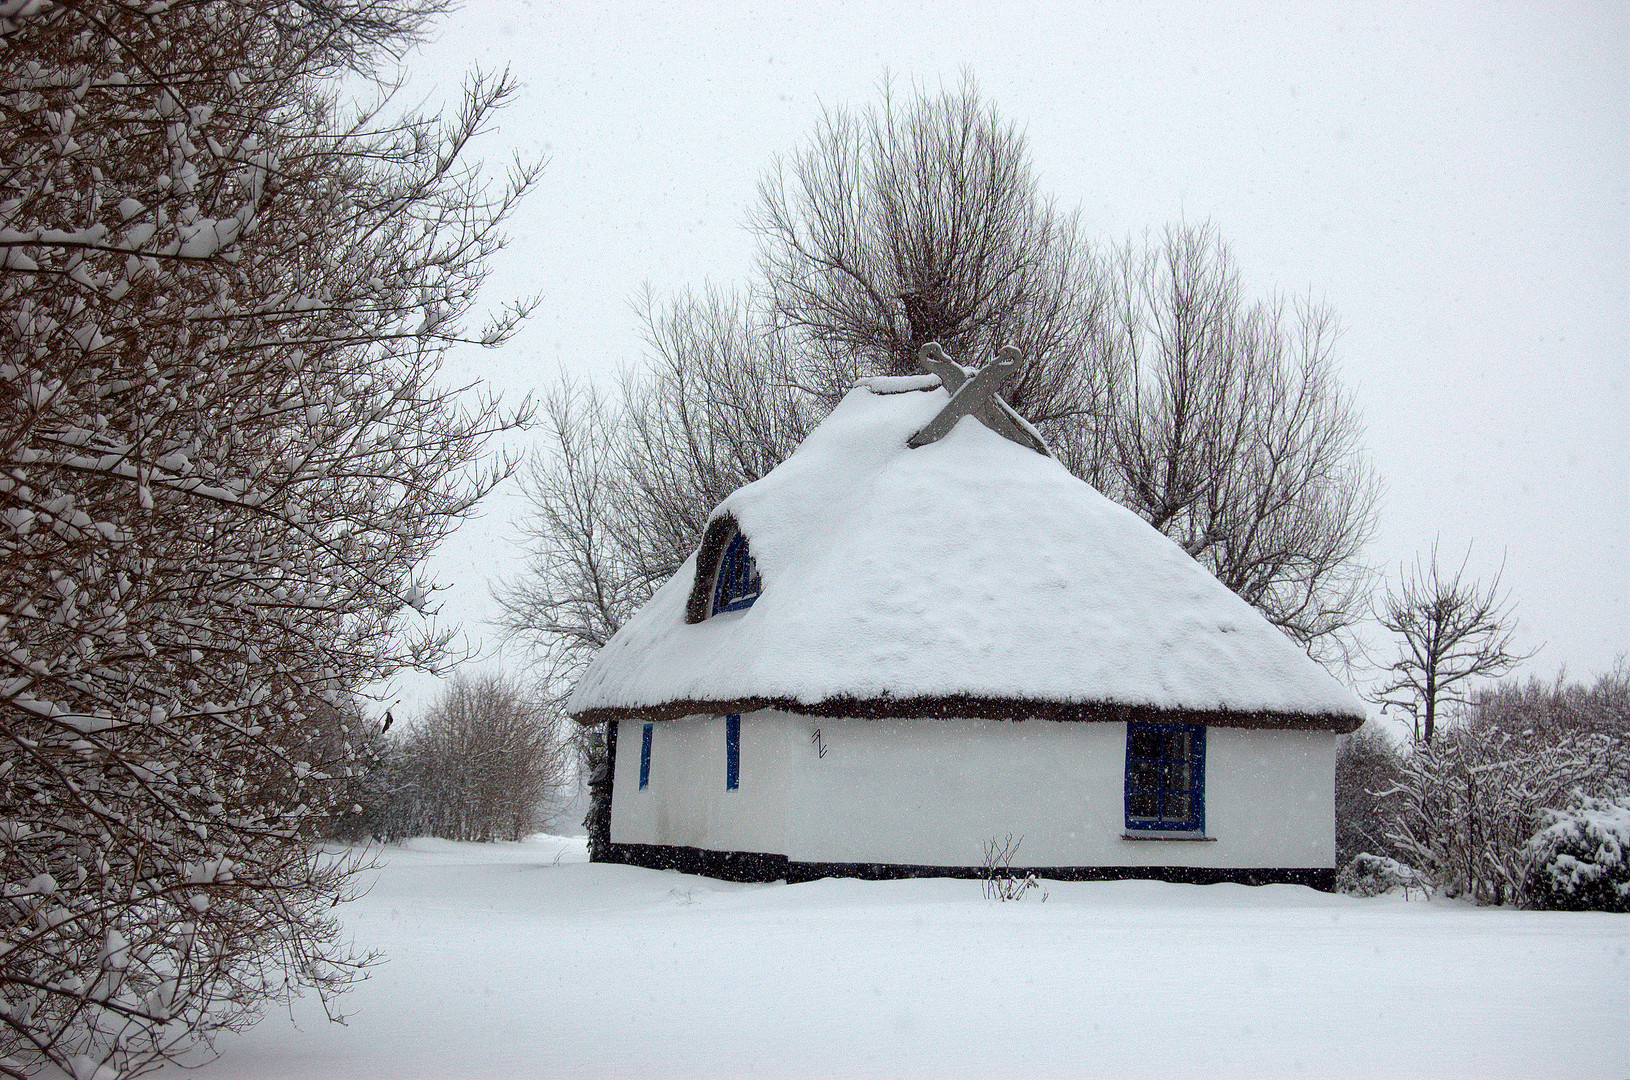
point(916, 634)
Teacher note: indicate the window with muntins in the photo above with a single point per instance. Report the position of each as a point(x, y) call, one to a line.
point(737, 584)
point(732, 752)
point(1165, 778)
point(645, 757)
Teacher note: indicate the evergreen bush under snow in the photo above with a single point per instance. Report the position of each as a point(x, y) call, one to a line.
point(1376, 875)
point(1579, 857)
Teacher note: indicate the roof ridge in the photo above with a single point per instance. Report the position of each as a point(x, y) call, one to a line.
point(898, 384)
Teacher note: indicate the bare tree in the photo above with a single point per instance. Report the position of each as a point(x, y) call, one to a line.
point(625, 487)
point(223, 455)
point(1547, 712)
point(920, 221)
point(1367, 764)
point(480, 765)
point(1235, 438)
point(1220, 421)
point(1452, 631)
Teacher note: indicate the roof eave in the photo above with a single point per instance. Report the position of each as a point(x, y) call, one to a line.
point(970, 706)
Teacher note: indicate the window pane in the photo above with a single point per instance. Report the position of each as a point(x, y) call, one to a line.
point(738, 582)
point(1145, 744)
point(1141, 805)
point(1176, 776)
point(1177, 745)
point(1177, 808)
point(1142, 774)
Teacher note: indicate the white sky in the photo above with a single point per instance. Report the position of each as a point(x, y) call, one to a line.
point(1454, 180)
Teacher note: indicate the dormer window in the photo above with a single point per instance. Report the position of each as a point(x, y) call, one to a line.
point(737, 584)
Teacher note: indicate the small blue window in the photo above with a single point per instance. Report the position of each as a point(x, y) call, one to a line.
point(732, 752)
point(1165, 777)
point(737, 585)
point(645, 757)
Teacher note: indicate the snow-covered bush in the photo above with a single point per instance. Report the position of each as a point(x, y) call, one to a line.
point(1376, 875)
point(223, 456)
point(1000, 882)
point(1465, 810)
point(1581, 856)
point(1465, 806)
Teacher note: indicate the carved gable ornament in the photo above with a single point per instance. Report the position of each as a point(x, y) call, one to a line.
point(974, 393)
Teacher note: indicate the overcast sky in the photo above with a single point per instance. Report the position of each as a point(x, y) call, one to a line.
point(1453, 180)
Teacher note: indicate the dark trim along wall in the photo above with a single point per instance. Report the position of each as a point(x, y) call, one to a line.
point(759, 866)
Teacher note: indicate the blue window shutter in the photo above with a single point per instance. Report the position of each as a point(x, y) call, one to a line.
point(732, 752)
point(645, 757)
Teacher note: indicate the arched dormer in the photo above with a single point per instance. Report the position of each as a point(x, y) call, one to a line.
point(727, 579)
point(737, 583)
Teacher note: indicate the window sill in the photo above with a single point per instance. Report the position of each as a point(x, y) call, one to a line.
point(1167, 836)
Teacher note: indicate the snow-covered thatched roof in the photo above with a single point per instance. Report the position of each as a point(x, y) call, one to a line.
point(972, 576)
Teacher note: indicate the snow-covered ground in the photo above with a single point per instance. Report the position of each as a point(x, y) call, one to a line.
point(517, 960)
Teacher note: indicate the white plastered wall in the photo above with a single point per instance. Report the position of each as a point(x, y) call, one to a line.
point(930, 792)
point(686, 803)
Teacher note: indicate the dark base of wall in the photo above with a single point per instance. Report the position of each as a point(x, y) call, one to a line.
point(758, 866)
point(725, 865)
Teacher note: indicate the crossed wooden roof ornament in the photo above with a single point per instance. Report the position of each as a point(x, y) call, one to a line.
point(974, 393)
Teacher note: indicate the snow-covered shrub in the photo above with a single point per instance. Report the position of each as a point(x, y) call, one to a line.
point(1582, 857)
point(1465, 806)
point(1000, 882)
point(1376, 875)
point(224, 454)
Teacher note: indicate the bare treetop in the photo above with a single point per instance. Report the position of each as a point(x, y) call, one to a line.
point(1453, 630)
point(916, 220)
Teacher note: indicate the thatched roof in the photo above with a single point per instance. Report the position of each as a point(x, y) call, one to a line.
point(968, 577)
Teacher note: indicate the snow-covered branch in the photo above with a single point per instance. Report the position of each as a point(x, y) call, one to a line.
point(224, 455)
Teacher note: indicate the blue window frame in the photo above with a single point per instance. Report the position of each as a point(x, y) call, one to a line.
point(732, 752)
point(645, 756)
point(1165, 778)
point(737, 584)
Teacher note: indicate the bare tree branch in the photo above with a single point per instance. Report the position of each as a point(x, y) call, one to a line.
point(1235, 438)
point(224, 456)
